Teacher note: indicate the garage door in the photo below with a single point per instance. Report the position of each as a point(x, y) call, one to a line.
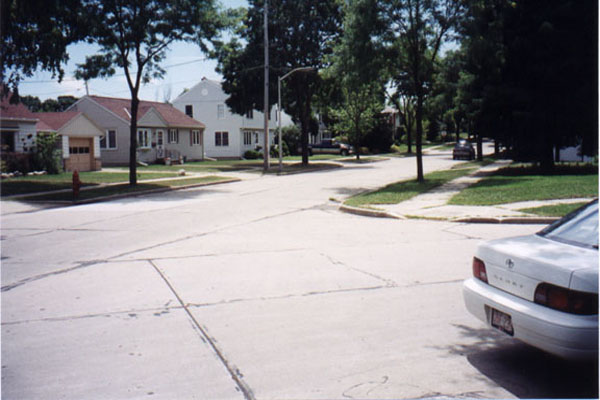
point(80, 154)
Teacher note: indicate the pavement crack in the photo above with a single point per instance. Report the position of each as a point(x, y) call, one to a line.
point(287, 296)
point(388, 282)
point(34, 278)
point(235, 373)
point(129, 313)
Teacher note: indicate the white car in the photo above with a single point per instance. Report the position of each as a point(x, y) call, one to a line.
point(542, 289)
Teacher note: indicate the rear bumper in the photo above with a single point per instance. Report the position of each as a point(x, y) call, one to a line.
point(566, 335)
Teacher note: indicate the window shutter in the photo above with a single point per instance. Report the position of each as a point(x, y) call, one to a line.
point(191, 137)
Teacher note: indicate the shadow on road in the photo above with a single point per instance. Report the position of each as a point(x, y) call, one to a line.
point(525, 371)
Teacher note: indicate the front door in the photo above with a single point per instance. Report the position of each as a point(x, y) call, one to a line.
point(160, 153)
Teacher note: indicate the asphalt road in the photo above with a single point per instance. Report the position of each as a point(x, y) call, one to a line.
point(259, 289)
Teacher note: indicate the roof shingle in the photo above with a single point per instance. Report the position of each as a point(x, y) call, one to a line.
point(55, 120)
point(172, 116)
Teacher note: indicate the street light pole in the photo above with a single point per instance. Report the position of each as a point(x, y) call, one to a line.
point(266, 96)
point(279, 80)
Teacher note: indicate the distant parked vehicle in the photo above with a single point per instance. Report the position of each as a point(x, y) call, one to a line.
point(330, 146)
point(463, 150)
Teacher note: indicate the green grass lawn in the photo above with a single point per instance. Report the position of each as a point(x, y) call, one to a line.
point(523, 183)
point(401, 191)
point(556, 210)
point(126, 188)
point(41, 183)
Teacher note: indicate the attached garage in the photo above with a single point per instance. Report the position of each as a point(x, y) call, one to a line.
point(80, 139)
point(81, 154)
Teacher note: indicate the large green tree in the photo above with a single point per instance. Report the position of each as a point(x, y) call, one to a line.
point(35, 35)
point(301, 34)
point(531, 75)
point(357, 69)
point(416, 30)
point(134, 35)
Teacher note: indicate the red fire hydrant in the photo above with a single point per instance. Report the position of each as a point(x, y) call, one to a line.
point(76, 184)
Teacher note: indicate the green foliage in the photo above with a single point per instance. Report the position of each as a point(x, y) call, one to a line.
point(415, 32)
point(35, 35)
point(358, 114)
point(135, 35)
point(21, 162)
point(47, 156)
point(301, 34)
point(285, 151)
point(49, 105)
point(379, 138)
point(531, 75)
point(291, 135)
point(253, 155)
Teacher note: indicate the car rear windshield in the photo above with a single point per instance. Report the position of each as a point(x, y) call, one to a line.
point(578, 228)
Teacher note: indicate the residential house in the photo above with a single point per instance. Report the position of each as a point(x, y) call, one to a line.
point(17, 127)
point(80, 138)
point(227, 135)
point(162, 130)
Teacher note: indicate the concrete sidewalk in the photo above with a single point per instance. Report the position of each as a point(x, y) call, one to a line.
point(433, 204)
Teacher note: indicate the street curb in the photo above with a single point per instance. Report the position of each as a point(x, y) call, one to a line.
point(366, 212)
point(126, 195)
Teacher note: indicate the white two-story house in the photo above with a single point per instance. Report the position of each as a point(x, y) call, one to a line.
point(227, 135)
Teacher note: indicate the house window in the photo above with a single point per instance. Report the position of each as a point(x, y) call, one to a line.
point(173, 136)
point(247, 138)
point(220, 111)
point(221, 138)
point(250, 114)
point(143, 138)
point(189, 110)
point(109, 141)
point(195, 138)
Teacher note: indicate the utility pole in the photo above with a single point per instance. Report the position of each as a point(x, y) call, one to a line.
point(266, 104)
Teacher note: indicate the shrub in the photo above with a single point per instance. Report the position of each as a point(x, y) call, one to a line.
point(396, 148)
point(48, 157)
point(291, 136)
point(284, 150)
point(252, 155)
point(22, 162)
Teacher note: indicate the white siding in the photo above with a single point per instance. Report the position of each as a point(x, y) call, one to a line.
point(65, 146)
point(96, 146)
point(107, 120)
point(205, 99)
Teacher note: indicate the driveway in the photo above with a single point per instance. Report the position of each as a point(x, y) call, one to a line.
point(259, 289)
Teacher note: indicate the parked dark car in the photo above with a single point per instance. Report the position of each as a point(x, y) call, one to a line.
point(463, 150)
point(330, 146)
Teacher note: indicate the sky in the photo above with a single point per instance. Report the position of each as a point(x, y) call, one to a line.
point(185, 66)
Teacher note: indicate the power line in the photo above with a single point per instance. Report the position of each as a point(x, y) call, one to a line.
point(114, 76)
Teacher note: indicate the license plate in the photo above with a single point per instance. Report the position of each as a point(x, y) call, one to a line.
point(502, 321)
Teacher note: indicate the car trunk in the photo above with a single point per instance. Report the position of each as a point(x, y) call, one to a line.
point(518, 265)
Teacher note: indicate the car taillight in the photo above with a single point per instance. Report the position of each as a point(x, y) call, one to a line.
point(479, 271)
point(563, 299)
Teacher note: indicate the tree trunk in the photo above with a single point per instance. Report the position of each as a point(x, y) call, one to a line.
point(133, 141)
point(419, 118)
point(479, 147)
point(305, 124)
